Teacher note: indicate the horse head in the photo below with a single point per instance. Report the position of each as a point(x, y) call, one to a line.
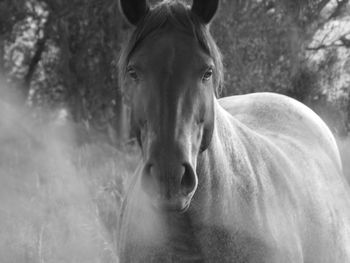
point(170, 71)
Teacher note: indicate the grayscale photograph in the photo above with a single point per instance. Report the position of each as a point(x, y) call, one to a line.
point(174, 131)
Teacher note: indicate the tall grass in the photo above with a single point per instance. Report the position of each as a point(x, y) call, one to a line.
point(59, 202)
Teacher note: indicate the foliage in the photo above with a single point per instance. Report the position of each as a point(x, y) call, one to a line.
point(286, 47)
point(258, 48)
point(67, 58)
point(63, 54)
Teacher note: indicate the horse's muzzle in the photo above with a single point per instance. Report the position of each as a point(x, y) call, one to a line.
point(170, 188)
point(179, 205)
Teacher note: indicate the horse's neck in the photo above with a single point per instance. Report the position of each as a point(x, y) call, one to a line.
point(226, 176)
point(227, 151)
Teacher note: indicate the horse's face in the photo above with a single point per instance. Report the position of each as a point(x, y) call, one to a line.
point(171, 81)
point(172, 112)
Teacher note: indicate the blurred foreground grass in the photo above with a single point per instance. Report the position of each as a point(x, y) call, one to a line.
point(59, 202)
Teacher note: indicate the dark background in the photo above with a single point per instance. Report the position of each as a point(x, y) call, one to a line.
point(62, 54)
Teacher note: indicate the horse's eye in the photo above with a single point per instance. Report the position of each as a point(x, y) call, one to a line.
point(132, 74)
point(207, 75)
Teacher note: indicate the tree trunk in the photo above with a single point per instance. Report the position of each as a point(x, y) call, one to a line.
point(40, 48)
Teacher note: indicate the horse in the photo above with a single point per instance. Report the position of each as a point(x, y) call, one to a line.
point(245, 179)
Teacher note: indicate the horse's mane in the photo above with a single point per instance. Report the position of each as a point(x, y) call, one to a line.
point(179, 16)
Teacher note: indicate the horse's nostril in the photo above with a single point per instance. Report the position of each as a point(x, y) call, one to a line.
point(188, 180)
point(168, 183)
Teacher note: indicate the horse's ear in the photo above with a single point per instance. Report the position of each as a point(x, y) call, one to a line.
point(205, 9)
point(134, 10)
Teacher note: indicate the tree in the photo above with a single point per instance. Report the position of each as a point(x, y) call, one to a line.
point(63, 54)
point(271, 45)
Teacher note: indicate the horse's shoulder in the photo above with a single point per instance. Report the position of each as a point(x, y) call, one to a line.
point(267, 107)
point(274, 116)
point(273, 112)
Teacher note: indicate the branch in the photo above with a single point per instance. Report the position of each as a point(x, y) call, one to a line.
point(338, 9)
point(342, 41)
point(321, 24)
point(40, 47)
point(322, 5)
point(345, 41)
point(323, 46)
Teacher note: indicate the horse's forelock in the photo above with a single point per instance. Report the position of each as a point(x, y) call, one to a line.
point(179, 16)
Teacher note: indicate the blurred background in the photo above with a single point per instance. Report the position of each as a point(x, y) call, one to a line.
point(65, 150)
